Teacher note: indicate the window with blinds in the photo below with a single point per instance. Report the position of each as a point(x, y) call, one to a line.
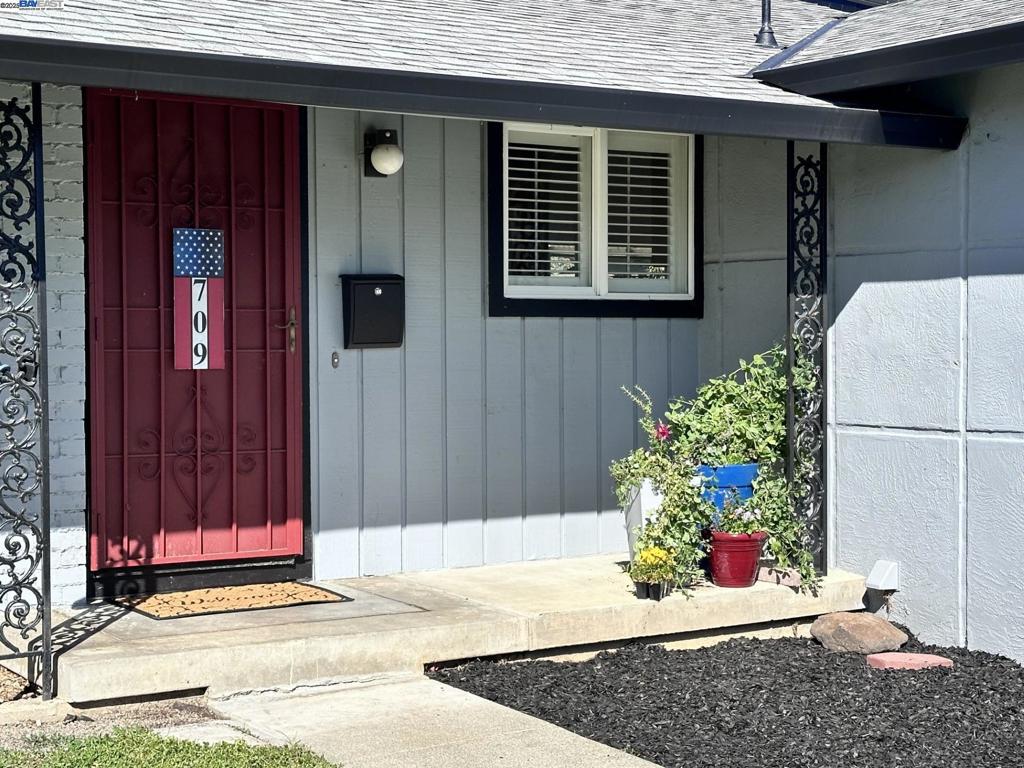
point(639, 215)
point(549, 200)
point(645, 203)
point(592, 213)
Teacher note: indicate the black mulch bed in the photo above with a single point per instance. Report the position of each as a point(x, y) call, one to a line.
point(771, 704)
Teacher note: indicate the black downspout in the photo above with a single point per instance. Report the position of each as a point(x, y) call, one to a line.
point(766, 35)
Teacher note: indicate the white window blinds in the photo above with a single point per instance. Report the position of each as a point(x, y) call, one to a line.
point(645, 205)
point(549, 198)
point(593, 213)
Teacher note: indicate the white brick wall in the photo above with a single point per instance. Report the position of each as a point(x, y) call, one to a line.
point(65, 263)
point(65, 283)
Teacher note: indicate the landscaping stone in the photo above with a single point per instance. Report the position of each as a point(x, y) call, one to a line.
point(863, 633)
point(908, 661)
point(786, 703)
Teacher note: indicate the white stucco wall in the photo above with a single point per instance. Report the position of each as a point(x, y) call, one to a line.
point(897, 366)
point(929, 364)
point(926, 361)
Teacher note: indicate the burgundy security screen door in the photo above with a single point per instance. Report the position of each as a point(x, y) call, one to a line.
point(191, 466)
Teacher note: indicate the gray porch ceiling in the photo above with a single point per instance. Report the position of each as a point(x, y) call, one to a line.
point(673, 65)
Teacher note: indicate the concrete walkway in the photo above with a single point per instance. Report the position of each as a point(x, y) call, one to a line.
point(398, 624)
point(409, 722)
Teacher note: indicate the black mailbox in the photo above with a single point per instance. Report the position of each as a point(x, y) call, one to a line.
point(374, 307)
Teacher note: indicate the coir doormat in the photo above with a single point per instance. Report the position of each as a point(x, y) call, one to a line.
point(248, 597)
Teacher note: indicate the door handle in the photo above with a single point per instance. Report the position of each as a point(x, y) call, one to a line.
point(291, 325)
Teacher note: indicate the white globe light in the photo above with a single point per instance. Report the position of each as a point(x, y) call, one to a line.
point(387, 159)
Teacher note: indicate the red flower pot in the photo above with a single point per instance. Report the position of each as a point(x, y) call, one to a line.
point(735, 558)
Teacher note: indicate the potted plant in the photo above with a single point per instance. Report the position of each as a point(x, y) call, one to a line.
point(737, 538)
point(735, 430)
point(653, 572)
point(788, 559)
point(660, 481)
point(642, 507)
point(728, 481)
point(728, 442)
point(640, 475)
point(735, 424)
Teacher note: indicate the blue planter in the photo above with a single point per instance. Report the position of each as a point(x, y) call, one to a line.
point(733, 481)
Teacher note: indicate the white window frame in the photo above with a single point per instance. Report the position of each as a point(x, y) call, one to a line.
point(599, 287)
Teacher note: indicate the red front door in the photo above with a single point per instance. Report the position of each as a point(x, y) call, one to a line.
point(193, 466)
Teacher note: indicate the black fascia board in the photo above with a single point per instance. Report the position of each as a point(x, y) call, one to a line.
point(127, 67)
point(922, 60)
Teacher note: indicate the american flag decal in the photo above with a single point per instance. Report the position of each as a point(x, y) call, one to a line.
point(198, 299)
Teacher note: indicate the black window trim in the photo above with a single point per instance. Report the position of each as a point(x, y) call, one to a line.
point(499, 305)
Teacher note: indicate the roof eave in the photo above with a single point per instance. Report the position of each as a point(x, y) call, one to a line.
point(923, 60)
point(487, 99)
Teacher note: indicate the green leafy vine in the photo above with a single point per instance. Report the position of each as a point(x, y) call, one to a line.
point(737, 418)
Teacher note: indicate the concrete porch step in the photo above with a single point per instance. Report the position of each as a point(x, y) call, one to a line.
point(399, 623)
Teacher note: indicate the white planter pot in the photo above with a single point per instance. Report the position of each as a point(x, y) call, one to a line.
point(645, 502)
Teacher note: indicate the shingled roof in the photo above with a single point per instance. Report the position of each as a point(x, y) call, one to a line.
point(908, 40)
point(692, 47)
point(907, 22)
point(661, 65)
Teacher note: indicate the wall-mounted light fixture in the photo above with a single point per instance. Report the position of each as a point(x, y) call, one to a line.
point(381, 154)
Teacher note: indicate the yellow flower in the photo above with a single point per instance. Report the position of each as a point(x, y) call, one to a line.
point(652, 556)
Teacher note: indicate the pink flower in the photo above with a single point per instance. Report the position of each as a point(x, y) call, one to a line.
point(662, 432)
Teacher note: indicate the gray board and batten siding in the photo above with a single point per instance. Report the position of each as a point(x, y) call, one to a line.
point(483, 439)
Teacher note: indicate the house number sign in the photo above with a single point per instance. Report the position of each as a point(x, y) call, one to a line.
point(198, 299)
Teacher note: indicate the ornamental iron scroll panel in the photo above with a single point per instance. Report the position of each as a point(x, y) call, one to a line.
point(807, 253)
point(25, 621)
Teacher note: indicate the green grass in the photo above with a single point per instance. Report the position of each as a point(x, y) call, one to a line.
point(137, 748)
